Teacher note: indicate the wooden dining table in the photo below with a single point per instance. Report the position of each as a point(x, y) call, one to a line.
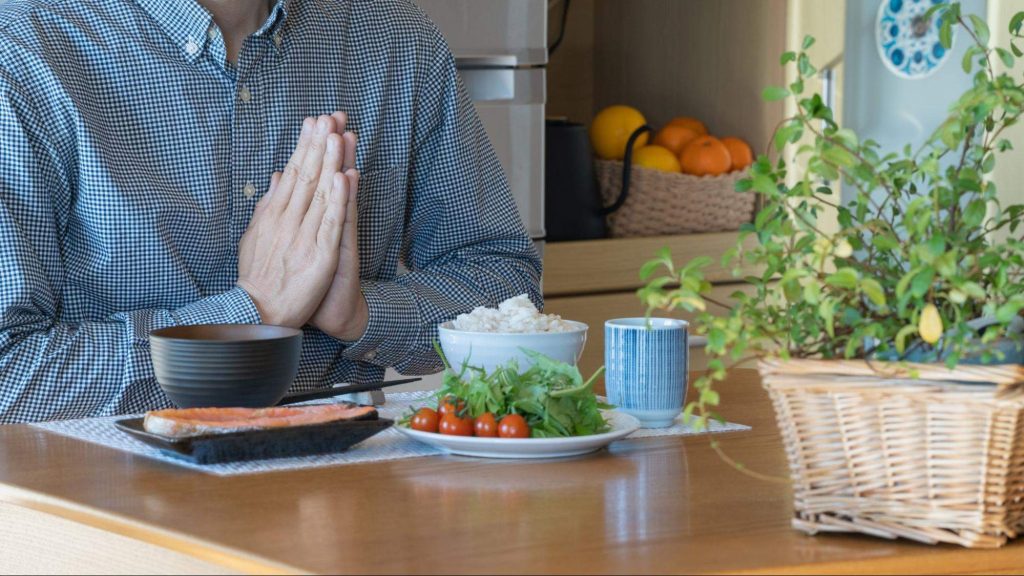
point(656, 505)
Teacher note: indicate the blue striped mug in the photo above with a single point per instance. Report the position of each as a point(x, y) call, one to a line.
point(646, 368)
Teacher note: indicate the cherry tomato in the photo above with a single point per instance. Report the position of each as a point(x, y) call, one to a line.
point(513, 426)
point(452, 425)
point(425, 420)
point(485, 426)
point(450, 404)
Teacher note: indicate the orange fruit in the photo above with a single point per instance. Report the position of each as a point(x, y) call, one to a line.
point(706, 156)
point(611, 129)
point(691, 123)
point(740, 151)
point(675, 137)
point(656, 158)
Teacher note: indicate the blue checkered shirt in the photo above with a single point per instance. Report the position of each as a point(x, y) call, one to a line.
point(132, 155)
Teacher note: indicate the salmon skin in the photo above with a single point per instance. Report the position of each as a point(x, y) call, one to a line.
point(192, 422)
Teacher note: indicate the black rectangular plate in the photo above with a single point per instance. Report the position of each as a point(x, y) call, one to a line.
point(328, 438)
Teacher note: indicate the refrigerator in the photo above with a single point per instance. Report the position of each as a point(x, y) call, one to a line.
point(500, 48)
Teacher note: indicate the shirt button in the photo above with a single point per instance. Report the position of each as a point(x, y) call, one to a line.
point(191, 48)
point(245, 94)
point(370, 355)
point(277, 39)
point(249, 190)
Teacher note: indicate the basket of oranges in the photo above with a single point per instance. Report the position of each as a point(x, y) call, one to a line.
point(682, 182)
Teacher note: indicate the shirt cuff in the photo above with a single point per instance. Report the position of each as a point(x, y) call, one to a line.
point(392, 327)
point(231, 307)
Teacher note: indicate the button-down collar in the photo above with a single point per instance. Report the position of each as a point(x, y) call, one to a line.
point(188, 24)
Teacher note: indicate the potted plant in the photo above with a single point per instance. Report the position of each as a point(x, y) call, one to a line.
point(900, 417)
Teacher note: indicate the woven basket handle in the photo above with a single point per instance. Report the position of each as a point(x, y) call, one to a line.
point(627, 170)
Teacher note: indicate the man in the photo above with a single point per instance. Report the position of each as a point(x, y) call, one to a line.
point(139, 141)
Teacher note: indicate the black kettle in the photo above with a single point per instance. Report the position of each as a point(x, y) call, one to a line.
point(572, 201)
point(573, 207)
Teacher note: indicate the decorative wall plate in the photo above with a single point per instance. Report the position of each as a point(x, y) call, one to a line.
point(908, 42)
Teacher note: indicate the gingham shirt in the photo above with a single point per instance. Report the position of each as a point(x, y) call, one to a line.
point(132, 155)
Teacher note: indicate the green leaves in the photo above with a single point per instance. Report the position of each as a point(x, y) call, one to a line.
point(662, 259)
point(843, 278)
point(774, 93)
point(902, 335)
point(946, 34)
point(915, 239)
point(980, 28)
point(1007, 311)
point(1006, 57)
point(974, 213)
point(827, 312)
point(788, 133)
point(922, 282)
point(1015, 23)
point(839, 156)
point(874, 291)
point(885, 242)
point(551, 395)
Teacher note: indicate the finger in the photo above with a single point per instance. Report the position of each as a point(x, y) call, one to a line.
point(349, 148)
point(352, 209)
point(350, 139)
point(329, 235)
point(318, 204)
point(309, 173)
point(275, 181)
point(340, 121)
point(291, 171)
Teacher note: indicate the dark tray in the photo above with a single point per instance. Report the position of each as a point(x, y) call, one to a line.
point(327, 438)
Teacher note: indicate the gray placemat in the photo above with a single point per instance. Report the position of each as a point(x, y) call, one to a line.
point(388, 445)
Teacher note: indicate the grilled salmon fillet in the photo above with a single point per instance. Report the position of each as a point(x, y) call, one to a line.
point(189, 422)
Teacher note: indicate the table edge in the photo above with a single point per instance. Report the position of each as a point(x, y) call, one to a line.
point(230, 558)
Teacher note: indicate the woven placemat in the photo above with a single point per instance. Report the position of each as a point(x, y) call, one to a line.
point(388, 445)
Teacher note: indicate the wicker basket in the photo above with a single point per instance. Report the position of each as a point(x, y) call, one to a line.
point(662, 203)
point(872, 449)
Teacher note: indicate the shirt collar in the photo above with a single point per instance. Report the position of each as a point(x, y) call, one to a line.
point(187, 23)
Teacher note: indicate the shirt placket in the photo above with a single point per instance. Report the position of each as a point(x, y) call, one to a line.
point(248, 181)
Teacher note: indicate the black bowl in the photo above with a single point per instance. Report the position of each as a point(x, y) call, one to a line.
point(223, 365)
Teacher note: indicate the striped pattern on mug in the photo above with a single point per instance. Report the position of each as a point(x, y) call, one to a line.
point(646, 369)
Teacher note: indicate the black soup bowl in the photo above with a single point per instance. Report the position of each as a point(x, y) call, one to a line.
point(225, 365)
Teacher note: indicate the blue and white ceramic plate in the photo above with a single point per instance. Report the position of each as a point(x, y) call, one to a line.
point(909, 43)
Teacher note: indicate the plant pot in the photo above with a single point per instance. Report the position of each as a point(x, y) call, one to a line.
point(875, 450)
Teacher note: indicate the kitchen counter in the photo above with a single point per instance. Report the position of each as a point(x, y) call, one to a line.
point(652, 505)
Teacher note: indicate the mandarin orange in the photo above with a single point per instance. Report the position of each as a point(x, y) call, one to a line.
point(706, 156)
point(675, 137)
point(742, 155)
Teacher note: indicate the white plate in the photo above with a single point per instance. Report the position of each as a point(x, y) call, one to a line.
point(622, 425)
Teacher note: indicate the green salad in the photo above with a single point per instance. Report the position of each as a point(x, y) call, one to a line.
point(550, 395)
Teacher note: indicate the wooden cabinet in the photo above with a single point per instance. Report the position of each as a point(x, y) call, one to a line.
point(708, 59)
point(594, 310)
point(597, 280)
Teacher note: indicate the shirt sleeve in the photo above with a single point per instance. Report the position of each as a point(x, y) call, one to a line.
point(48, 368)
point(465, 244)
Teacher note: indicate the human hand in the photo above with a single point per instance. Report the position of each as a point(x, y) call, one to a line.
point(343, 313)
point(290, 252)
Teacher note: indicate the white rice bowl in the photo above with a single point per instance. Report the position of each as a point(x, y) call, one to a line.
point(488, 337)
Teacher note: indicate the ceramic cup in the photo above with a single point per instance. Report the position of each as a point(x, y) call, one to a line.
point(646, 368)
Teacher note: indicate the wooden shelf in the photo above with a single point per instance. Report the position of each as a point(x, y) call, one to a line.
point(594, 310)
point(613, 265)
